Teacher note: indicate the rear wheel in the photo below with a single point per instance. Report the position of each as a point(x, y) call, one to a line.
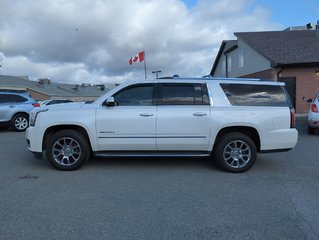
point(235, 152)
point(20, 122)
point(67, 150)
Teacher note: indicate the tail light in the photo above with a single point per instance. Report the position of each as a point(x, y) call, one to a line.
point(314, 108)
point(36, 104)
point(292, 117)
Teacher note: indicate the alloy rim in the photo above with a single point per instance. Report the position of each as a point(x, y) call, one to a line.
point(21, 123)
point(66, 151)
point(237, 154)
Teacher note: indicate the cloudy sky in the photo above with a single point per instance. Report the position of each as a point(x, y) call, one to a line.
point(91, 41)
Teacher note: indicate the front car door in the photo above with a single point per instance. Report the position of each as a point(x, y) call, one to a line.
point(130, 124)
point(183, 117)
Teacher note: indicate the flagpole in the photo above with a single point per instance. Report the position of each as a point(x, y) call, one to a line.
point(145, 64)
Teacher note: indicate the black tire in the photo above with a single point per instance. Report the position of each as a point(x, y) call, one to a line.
point(20, 122)
point(235, 152)
point(67, 150)
point(311, 131)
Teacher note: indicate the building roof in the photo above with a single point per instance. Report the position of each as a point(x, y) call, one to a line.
point(299, 47)
point(54, 89)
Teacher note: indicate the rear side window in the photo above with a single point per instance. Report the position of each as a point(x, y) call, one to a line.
point(183, 94)
point(255, 95)
point(17, 98)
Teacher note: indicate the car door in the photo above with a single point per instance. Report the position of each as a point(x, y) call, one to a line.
point(130, 124)
point(183, 117)
point(3, 108)
point(7, 107)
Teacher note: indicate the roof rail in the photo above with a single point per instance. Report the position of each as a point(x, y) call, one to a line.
point(209, 77)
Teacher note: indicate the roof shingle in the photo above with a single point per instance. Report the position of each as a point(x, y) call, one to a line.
point(284, 47)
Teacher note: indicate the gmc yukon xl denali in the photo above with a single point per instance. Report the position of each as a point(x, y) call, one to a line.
point(229, 120)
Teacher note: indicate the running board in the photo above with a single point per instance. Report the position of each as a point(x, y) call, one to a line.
point(151, 154)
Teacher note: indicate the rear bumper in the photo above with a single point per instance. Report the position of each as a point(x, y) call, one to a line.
point(279, 140)
point(313, 120)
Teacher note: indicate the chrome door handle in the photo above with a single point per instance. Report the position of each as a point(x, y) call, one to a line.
point(200, 114)
point(146, 114)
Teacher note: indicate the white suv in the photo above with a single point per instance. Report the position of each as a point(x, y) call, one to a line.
point(228, 119)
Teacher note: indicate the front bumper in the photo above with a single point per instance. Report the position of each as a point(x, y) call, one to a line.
point(34, 138)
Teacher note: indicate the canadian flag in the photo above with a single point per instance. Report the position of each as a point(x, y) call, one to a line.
point(140, 57)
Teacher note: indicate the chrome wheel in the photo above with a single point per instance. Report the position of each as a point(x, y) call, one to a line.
point(21, 123)
point(66, 151)
point(237, 154)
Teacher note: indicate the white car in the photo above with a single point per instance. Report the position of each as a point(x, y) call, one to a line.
point(54, 101)
point(313, 115)
point(230, 120)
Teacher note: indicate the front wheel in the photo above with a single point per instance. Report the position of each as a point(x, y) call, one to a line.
point(67, 150)
point(235, 152)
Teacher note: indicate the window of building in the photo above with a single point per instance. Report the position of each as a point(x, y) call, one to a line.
point(223, 66)
point(229, 63)
point(241, 60)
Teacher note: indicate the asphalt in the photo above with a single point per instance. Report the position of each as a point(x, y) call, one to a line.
point(161, 198)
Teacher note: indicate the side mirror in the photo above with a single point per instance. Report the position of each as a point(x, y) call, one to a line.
point(309, 100)
point(110, 102)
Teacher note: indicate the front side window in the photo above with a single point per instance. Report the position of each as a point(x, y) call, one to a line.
point(255, 95)
point(137, 95)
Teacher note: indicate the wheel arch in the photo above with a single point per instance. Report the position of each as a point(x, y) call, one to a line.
point(53, 129)
point(19, 112)
point(248, 131)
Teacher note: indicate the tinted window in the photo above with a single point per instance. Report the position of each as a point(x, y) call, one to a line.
point(3, 98)
point(255, 95)
point(176, 94)
point(138, 95)
point(11, 98)
point(183, 94)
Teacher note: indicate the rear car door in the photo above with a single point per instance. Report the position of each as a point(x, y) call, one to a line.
point(183, 117)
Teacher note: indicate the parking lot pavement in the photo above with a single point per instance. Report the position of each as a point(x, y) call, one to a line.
point(160, 198)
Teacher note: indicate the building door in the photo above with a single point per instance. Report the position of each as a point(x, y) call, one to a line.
point(291, 88)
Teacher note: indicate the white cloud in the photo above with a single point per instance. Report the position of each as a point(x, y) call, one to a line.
point(91, 41)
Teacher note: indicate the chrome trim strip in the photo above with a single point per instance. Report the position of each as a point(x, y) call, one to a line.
point(158, 137)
